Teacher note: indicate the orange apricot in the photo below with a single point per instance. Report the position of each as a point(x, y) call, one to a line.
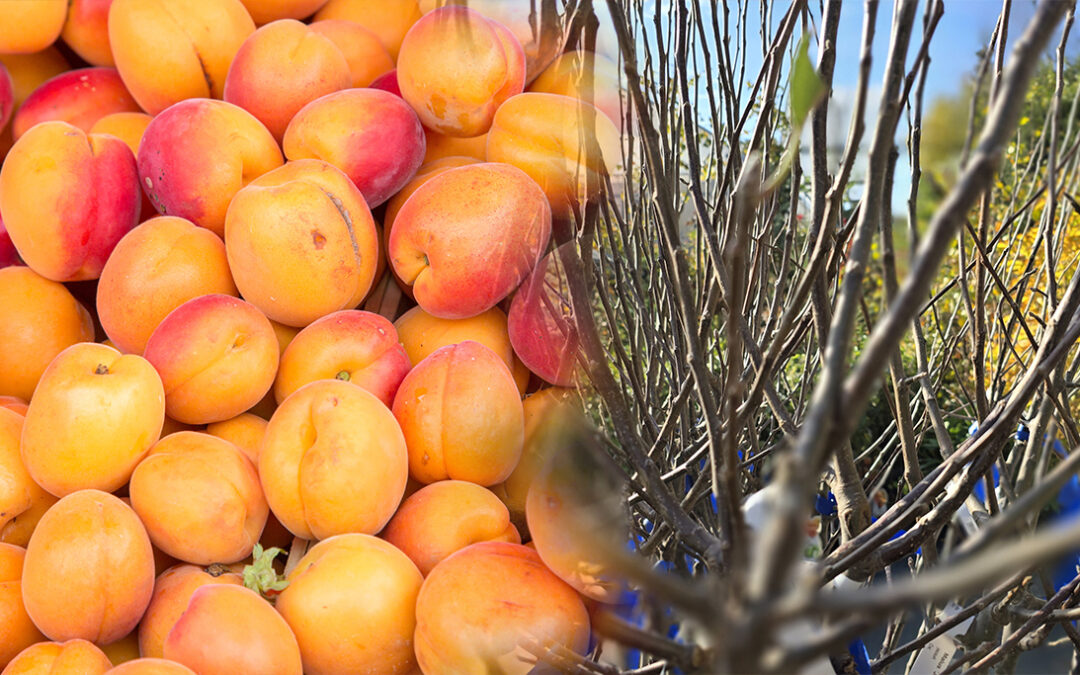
point(123, 650)
point(265, 11)
point(15, 625)
point(172, 593)
point(587, 76)
point(16, 485)
point(79, 97)
point(245, 431)
point(390, 20)
point(14, 404)
point(89, 569)
point(426, 172)
point(362, 49)
point(347, 581)
point(127, 126)
point(94, 416)
point(461, 415)
point(86, 31)
point(73, 657)
point(19, 529)
point(31, 25)
point(146, 666)
point(440, 146)
point(30, 71)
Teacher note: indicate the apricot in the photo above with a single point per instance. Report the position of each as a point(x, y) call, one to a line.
point(16, 485)
point(79, 97)
point(31, 25)
point(41, 319)
point(216, 355)
point(14, 404)
point(7, 96)
point(456, 68)
point(282, 67)
point(15, 625)
point(9, 257)
point(30, 71)
point(127, 126)
point(86, 31)
point(123, 650)
point(426, 172)
point(73, 657)
point(265, 11)
point(94, 416)
point(227, 630)
point(421, 334)
point(285, 334)
point(196, 155)
point(66, 215)
point(333, 461)
point(463, 256)
point(352, 345)
point(440, 146)
point(89, 569)
point(199, 498)
point(155, 268)
point(245, 431)
point(165, 55)
point(445, 517)
point(461, 415)
point(390, 20)
point(371, 135)
point(586, 76)
point(18, 530)
point(301, 242)
point(541, 322)
point(151, 667)
point(564, 144)
point(362, 49)
point(388, 82)
point(172, 593)
point(342, 583)
point(479, 607)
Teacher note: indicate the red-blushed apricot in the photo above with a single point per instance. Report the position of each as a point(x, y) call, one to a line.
point(421, 334)
point(16, 485)
point(31, 25)
point(196, 155)
point(388, 82)
point(333, 461)
point(479, 608)
point(445, 517)
point(586, 76)
point(73, 657)
point(229, 629)
point(30, 71)
point(463, 256)
point(282, 67)
point(155, 268)
point(541, 321)
point(18, 530)
point(172, 593)
point(265, 11)
point(390, 20)
point(245, 431)
point(352, 345)
point(14, 404)
point(127, 126)
point(123, 650)
point(78, 97)
point(348, 581)
point(564, 144)
point(362, 49)
point(7, 96)
point(15, 625)
point(456, 68)
point(9, 256)
point(146, 666)
point(41, 319)
point(461, 415)
point(371, 135)
point(301, 242)
point(86, 31)
point(93, 417)
point(166, 55)
point(199, 498)
point(426, 172)
point(217, 356)
point(89, 569)
point(66, 215)
point(440, 146)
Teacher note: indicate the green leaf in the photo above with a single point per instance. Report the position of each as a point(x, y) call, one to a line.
point(806, 88)
point(260, 576)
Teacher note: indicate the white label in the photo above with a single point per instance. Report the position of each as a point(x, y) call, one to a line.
point(936, 656)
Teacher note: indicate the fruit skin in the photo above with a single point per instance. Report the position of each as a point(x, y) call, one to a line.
point(127, 126)
point(41, 319)
point(245, 431)
point(7, 96)
point(19, 529)
point(15, 625)
point(30, 71)
point(155, 268)
point(456, 68)
point(90, 552)
point(441, 146)
point(79, 97)
point(583, 75)
point(199, 498)
point(93, 418)
point(86, 31)
point(464, 254)
point(265, 11)
point(14, 404)
point(347, 581)
point(227, 630)
point(352, 345)
point(31, 25)
point(388, 82)
point(301, 242)
point(389, 20)
point(371, 135)
point(461, 415)
point(447, 516)
point(17, 488)
point(478, 605)
point(66, 217)
point(151, 667)
point(166, 56)
point(333, 461)
point(73, 657)
point(172, 593)
point(541, 322)
point(216, 356)
point(426, 172)
point(363, 51)
point(282, 67)
point(196, 155)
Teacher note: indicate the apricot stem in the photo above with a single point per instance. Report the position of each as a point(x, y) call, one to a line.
point(343, 375)
point(101, 369)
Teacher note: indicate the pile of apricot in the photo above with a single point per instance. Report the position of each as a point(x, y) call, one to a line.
point(286, 274)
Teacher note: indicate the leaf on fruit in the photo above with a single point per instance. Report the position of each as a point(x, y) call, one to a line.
point(260, 576)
